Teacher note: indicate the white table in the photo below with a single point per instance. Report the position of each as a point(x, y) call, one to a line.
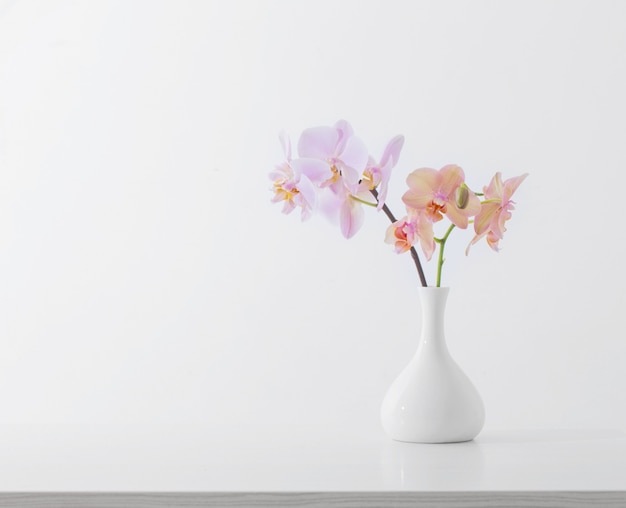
point(177, 465)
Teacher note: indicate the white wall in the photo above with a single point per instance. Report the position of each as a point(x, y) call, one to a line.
point(146, 277)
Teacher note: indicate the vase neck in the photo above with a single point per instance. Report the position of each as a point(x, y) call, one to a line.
point(433, 303)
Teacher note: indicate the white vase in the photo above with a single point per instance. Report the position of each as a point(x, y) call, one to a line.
point(432, 400)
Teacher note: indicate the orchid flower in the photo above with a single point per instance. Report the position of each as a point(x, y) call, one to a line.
point(376, 175)
point(346, 158)
point(294, 181)
point(496, 210)
point(410, 230)
point(437, 193)
point(345, 154)
point(334, 174)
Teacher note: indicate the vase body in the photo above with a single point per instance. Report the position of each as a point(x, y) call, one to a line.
point(432, 400)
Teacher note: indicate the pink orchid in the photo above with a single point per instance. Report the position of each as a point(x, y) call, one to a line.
point(294, 181)
point(345, 154)
point(351, 197)
point(436, 193)
point(293, 191)
point(346, 157)
point(496, 210)
point(345, 208)
point(376, 175)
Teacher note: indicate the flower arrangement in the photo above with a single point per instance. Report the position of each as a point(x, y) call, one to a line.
point(335, 175)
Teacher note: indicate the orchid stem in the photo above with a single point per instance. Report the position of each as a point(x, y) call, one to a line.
point(414, 255)
point(442, 244)
point(363, 201)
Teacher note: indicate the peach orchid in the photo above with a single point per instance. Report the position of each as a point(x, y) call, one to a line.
point(496, 210)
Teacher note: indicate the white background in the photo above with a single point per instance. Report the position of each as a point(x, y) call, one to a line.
point(146, 277)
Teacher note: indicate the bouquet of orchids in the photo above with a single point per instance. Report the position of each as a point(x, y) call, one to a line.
point(335, 174)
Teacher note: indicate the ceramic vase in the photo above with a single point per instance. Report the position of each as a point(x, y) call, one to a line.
point(432, 400)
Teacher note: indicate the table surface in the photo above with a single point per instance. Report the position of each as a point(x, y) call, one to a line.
point(246, 459)
point(300, 458)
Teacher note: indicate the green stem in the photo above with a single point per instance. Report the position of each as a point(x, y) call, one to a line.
point(442, 244)
point(363, 201)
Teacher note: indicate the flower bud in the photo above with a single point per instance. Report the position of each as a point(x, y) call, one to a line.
point(462, 196)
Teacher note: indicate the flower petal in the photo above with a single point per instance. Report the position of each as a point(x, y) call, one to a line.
point(350, 178)
point(328, 205)
point(422, 183)
point(288, 206)
point(497, 226)
point(308, 191)
point(423, 180)
point(493, 240)
point(457, 216)
point(279, 174)
point(315, 169)
point(450, 177)
point(318, 142)
point(476, 239)
point(392, 151)
point(350, 217)
point(385, 174)
point(355, 154)
point(511, 185)
point(494, 189)
point(390, 233)
point(426, 237)
point(345, 132)
point(416, 200)
point(485, 216)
